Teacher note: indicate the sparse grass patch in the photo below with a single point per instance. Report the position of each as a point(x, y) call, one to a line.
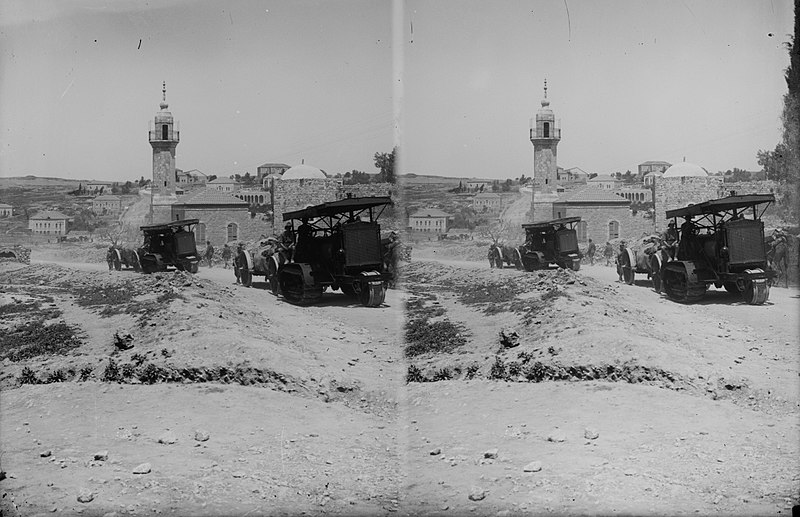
point(424, 337)
point(28, 376)
point(34, 339)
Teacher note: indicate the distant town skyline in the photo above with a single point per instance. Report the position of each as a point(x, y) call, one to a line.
point(332, 83)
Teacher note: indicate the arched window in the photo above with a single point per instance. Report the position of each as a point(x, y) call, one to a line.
point(581, 230)
point(546, 129)
point(233, 232)
point(200, 232)
point(613, 230)
point(164, 131)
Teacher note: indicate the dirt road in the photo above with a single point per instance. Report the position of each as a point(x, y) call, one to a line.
point(238, 402)
point(613, 398)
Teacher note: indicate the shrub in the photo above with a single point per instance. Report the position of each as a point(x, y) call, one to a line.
point(498, 370)
point(437, 337)
point(472, 371)
point(151, 374)
point(27, 377)
point(34, 339)
point(414, 374)
point(85, 373)
point(443, 375)
point(56, 376)
point(111, 373)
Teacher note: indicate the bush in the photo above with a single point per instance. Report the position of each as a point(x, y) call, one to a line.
point(472, 371)
point(27, 377)
point(85, 373)
point(111, 373)
point(414, 374)
point(498, 370)
point(56, 376)
point(438, 337)
point(34, 339)
point(443, 375)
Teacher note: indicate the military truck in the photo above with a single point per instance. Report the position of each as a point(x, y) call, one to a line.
point(169, 245)
point(551, 243)
point(338, 245)
point(721, 244)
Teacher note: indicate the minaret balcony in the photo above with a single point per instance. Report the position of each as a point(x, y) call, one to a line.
point(161, 136)
point(553, 133)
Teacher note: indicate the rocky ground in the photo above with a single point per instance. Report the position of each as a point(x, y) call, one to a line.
point(557, 392)
point(235, 402)
point(496, 392)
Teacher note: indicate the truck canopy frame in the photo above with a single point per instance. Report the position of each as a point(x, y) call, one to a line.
point(715, 212)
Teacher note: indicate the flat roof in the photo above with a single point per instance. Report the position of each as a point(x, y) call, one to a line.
point(554, 222)
point(722, 205)
point(173, 224)
point(341, 206)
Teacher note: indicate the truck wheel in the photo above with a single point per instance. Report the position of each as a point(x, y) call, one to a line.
point(247, 277)
point(372, 294)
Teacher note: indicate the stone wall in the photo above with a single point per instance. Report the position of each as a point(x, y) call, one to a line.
point(299, 193)
point(598, 217)
point(216, 222)
point(672, 193)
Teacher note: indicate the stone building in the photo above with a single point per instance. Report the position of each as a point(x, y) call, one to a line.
point(228, 185)
point(487, 202)
point(652, 166)
point(190, 178)
point(604, 216)
point(107, 205)
point(636, 195)
point(268, 169)
point(428, 220)
point(6, 210)
point(223, 218)
point(253, 196)
point(605, 182)
point(681, 184)
point(49, 222)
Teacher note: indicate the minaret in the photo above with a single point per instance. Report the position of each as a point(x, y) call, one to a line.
point(164, 138)
point(545, 133)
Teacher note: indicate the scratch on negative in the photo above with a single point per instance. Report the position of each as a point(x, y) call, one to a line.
point(68, 87)
point(569, 23)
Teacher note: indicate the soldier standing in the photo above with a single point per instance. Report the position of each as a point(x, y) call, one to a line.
point(590, 252)
point(608, 252)
point(226, 255)
point(237, 262)
point(209, 252)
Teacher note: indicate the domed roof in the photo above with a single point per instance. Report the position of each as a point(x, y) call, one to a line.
point(684, 169)
point(303, 172)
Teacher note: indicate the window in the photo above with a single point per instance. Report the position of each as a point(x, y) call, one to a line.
point(613, 230)
point(581, 230)
point(547, 129)
point(233, 232)
point(164, 132)
point(200, 232)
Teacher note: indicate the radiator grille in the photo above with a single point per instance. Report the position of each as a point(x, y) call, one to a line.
point(362, 245)
point(746, 242)
point(567, 241)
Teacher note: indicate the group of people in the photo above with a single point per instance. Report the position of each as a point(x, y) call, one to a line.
point(608, 252)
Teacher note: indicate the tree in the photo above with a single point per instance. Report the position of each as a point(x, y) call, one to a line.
point(495, 185)
point(385, 162)
point(507, 185)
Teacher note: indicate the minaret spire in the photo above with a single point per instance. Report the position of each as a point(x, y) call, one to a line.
point(164, 104)
point(545, 88)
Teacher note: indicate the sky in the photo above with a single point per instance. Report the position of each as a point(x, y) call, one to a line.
point(249, 82)
point(630, 81)
point(454, 83)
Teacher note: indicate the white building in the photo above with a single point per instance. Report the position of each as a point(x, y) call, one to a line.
point(429, 220)
point(49, 223)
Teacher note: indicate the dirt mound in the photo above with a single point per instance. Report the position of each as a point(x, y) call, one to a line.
point(233, 343)
point(566, 327)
